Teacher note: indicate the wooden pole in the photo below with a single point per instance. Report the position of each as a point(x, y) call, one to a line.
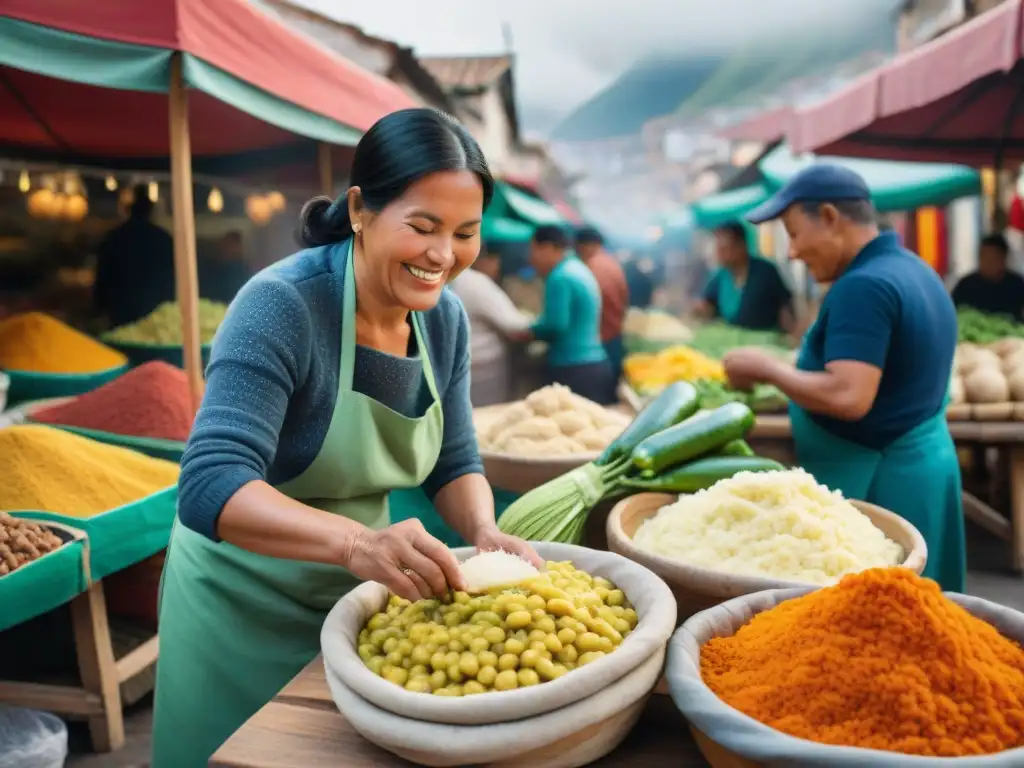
point(185, 271)
point(324, 163)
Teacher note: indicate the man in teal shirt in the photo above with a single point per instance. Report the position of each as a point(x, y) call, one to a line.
point(571, 318)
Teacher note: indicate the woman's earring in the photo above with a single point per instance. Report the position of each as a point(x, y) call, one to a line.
point(356, 227)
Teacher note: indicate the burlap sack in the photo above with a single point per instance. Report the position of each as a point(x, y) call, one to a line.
point(574, 735)
point(754, 740)
point(649, 595)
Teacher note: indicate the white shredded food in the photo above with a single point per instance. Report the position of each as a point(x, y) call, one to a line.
point(495, 569)
point(776, 524)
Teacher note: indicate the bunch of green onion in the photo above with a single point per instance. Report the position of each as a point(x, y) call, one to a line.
point(558, 509)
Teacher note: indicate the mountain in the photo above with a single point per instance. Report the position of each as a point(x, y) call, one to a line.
point(690, 84)
point(649, 89)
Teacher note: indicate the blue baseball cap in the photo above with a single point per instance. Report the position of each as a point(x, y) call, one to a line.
point(821, 182)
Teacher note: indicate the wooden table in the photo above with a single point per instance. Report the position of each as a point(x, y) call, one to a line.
point(1007, 437)
point(301, 727)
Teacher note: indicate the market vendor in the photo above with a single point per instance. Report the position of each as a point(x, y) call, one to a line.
point(134, 265)
point(746, 290)
point(868, 393)
point(993, 288)
point(570, 321)
point(611, 281)
point(339, 374)
point(493, 320)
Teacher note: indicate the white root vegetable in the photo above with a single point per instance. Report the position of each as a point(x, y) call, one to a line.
point(986, 385)
point(1016, 382)
point(571, 422)
point(980, 358)
point(1006, 347)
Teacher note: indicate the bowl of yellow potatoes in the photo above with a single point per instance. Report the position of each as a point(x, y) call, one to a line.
point(522, 666)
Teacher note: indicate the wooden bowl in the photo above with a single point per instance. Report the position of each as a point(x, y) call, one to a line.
point(697, 589)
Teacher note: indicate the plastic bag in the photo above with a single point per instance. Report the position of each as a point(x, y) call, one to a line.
point(31, 739)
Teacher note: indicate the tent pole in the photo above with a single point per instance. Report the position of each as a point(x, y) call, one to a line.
point(185, 271)
point(324, 162)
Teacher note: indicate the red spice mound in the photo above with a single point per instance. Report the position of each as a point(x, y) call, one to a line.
point(152, 400)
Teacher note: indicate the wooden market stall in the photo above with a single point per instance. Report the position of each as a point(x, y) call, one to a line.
point(207, 83)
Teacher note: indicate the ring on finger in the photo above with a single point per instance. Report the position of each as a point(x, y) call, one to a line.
point(408, 571)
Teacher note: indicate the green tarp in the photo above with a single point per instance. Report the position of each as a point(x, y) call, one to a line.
point(721, 208)
point(498, 229)
point(127, 67)
point(511, 203)
point(894, 186)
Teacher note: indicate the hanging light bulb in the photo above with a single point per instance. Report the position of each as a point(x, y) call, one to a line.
point(110, 183)
point(24, 182)
point(154, 191)
point(215, 201)
point(277, 201)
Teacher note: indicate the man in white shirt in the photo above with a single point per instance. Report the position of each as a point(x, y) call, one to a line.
point(494, 321)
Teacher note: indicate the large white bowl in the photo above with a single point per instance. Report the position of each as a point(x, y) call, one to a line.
point(650, 596)
point(575, 735)
point(738, 739)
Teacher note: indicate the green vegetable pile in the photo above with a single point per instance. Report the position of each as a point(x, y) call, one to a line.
point(763, 398)
point(983, 328)
point(716, 339)
point(669, 447)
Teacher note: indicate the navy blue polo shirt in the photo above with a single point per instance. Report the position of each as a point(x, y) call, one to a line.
point(891, 310)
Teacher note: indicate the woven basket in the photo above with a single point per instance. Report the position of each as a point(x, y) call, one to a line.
point(697, 589)
point(730, 739)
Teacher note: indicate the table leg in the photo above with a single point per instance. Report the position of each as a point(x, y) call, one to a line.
point(97, 667)
point(1017, 505)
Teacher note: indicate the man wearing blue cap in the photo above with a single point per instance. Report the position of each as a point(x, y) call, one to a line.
point(868, 393)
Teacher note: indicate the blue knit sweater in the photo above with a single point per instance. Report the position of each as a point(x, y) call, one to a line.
point(272, 382)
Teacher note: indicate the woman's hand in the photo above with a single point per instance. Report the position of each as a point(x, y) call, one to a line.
point(405, 559)
point(490, 538)
point(748, 366)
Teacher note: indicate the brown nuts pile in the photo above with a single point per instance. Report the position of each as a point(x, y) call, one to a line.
point(22, 541)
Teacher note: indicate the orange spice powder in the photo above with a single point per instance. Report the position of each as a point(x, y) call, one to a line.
point(883, 660)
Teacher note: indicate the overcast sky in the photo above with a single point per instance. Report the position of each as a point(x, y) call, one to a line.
point(567, 50)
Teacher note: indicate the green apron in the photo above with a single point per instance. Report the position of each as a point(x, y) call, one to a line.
point(235, 626)
point(730, 297)
point(917, 476)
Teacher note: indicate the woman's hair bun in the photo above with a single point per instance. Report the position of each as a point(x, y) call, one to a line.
point(324, 221)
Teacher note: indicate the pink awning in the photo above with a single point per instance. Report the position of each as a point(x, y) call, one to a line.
point(237, 37)
point(766, 127)
point(957, 99)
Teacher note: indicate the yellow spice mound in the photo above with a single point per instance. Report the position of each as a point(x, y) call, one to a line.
point(882, 661)
point(42, 344)
point(50, 470)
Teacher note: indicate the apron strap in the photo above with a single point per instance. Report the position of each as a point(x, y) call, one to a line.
point(346, 367)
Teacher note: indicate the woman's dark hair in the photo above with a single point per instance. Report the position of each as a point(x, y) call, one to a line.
point(399, 149)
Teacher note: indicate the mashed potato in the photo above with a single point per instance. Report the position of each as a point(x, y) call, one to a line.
point(776, 524)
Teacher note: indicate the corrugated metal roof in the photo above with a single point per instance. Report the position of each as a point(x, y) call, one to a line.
point(467, 71)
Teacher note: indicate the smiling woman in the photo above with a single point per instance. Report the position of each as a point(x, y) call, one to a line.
point(340, 374)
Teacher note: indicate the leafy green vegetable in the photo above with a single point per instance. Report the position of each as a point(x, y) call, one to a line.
point(983, 328)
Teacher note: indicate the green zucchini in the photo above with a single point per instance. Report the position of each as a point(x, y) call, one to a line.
point(698, 435)
point(701, 474)
point(677, 401)
point(735, 448)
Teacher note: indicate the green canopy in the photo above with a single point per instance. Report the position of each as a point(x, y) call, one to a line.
point(512, 203)
point(721, 208)
point(894, 186)
point(499, 229)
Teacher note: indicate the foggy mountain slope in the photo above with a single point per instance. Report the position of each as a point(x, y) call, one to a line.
point(646, 90)
point(688, 84)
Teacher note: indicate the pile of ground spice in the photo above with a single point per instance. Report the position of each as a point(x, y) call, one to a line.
point(152, 400)
point(39, 343)
point(883, 660)
point(50, 470)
